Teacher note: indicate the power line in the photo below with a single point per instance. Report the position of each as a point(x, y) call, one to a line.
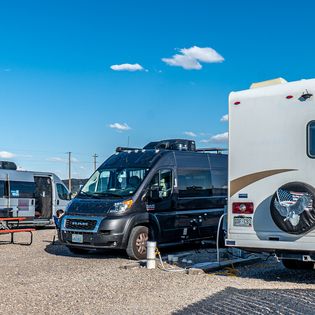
point(69, 166)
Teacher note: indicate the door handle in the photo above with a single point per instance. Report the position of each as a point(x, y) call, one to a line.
point(57, 202)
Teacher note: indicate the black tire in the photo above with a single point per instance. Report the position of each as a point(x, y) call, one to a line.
point(297, 264)
point(137, 248)
point(78, 251)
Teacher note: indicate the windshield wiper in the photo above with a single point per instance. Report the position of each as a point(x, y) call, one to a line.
point(83, 193)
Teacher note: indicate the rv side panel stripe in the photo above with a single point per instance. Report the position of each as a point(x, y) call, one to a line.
point(241, 182)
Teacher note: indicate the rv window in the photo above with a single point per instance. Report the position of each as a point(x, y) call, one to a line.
point(194, 183)
point(22, 189)
point(63, 193)
point(311, 139)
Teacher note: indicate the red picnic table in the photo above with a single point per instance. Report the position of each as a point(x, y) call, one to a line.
point(11, 226)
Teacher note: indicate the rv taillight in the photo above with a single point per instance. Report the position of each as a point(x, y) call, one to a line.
point(243, 207)
point(289, 97)
point(237, 103)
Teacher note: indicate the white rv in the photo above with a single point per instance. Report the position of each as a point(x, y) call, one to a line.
point(271, 205)
point(34, 195)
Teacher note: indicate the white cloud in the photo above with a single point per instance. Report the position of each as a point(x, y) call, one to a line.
point(221, 137)
point(191, 58)
point(6, 155)
point(59, 159)
point(224, 118)
point(183, 61)
point(119, 126)
point(190, 134)
point(207, 54)
point(127, 67)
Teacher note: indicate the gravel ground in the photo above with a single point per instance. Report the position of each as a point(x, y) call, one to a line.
point(47, 279)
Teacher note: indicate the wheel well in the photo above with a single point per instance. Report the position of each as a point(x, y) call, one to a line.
point(153, 230)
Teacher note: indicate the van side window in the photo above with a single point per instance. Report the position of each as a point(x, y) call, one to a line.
point(194, 183)
point(22, 189)
point(62, 192)
point(163, 182)
point(2, 186)
point(311, 139)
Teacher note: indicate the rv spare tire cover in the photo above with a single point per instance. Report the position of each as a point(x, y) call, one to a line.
point(292, 208)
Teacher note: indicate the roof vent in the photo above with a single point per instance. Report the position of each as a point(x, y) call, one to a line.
point(268, 83)
point(6, 165)
point(172, 144)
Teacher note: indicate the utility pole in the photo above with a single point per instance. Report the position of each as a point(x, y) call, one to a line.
point(69, 167)
point(95, 156)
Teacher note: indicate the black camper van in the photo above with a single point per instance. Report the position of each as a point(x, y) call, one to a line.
point(167, 191)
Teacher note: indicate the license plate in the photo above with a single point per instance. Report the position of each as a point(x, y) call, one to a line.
point(242, 221)
point(77, 238)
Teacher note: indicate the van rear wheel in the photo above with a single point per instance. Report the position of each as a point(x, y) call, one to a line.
point(297, 264)
point(137, 244)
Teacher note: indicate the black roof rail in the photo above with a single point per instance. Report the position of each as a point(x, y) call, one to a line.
point(217, 150)
point(123, 149)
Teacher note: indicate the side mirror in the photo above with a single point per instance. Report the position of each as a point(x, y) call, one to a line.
point(154, 194)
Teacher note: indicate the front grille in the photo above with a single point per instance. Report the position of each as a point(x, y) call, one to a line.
point(79, 224)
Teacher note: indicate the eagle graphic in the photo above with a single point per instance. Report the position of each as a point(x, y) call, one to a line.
point(291, 205)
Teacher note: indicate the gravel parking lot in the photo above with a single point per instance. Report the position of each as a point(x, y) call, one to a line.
point(47, 279)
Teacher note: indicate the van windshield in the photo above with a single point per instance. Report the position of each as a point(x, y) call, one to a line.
point(114, 182)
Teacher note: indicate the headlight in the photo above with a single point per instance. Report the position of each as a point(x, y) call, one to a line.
point(121, 207)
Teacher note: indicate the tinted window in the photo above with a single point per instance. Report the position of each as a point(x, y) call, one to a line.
point(22, 189)
point(63, 193)
point(2, 185)
point(311, 139)
point(194, 183)
point(219, 181)
point(162, 181)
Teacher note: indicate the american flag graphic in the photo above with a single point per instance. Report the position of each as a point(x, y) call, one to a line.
point(290, 197)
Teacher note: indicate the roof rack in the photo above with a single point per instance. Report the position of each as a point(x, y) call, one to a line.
point(217, 150)
point(123, 149)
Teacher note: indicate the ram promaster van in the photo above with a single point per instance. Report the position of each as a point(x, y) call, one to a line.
point(33, 195)
point(167, 191)
point(271, 204)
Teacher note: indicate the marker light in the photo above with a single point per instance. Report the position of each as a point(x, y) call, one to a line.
point(237, 103)
point(243, 207)
point(289, 97)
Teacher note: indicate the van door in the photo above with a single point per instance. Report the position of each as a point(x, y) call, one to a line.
point(197, 205)
point(43, 197)
point(161, 204)
point(62, 197)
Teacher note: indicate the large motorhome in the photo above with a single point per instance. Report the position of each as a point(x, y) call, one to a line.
point(271, 205)
point(167, 191)
point(33, 195)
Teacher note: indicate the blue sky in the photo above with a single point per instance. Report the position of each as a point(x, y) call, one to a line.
point(58, 92)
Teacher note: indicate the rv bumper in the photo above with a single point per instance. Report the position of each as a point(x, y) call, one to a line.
point(93, 232)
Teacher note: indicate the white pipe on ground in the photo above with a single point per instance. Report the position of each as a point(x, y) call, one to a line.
point(151, 263)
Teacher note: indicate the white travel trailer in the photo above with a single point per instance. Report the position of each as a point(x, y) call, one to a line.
point(34, 195)
point(271, 205)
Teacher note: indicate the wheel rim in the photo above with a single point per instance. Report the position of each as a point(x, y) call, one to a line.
point(141, 243)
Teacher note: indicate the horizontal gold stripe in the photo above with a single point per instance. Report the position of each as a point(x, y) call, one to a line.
point(239, 183)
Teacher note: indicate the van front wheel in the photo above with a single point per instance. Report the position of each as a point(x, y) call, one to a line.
point(137, 244)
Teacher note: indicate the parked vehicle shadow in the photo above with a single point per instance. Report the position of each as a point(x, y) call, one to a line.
point(255, 301)
point(61, 250)
point(271, 270)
